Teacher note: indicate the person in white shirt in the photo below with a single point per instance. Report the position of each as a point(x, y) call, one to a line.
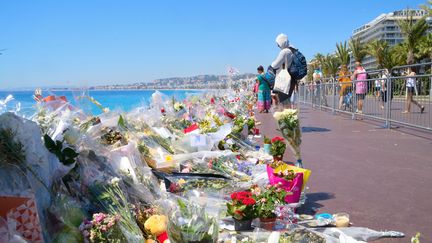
point(411, 87)
point(383, 87)
point(279, 63)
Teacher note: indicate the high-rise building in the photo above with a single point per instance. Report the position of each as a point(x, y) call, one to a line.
point(385, 27)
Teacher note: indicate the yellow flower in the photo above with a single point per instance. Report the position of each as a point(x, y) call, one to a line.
point(181, 181)
point(156, 224)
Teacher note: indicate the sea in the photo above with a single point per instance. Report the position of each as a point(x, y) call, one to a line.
point(124, 100)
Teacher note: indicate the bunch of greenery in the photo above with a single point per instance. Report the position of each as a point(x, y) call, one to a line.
point(190, 223)
point(267, 199)
point(66, 156)
point(12, 153)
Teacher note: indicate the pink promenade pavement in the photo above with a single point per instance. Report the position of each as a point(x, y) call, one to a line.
point(381, 177)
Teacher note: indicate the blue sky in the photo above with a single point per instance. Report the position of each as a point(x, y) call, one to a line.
point(90, 42)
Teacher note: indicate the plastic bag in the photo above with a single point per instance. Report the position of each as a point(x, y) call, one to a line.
point(190, 223)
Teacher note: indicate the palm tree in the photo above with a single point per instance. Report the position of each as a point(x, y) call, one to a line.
point(358, 50)
point(427, 7)
point(425, 47)
point(319, 58)
point(398, 54)
point(413, 31)
point(330, 65)
point(342, 52)
point(378, 49)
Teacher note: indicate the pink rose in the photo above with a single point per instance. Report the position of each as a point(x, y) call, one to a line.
point(99, 217)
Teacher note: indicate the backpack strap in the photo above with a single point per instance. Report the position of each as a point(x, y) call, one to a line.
point(268, 83)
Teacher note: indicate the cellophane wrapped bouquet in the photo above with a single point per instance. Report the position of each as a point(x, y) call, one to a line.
point(289, 125)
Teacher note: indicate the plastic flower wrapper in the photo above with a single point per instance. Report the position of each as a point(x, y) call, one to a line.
point(176, 125)
point(190, 223)
point(177, 184)
point(22, 148)
point(226, 165)
point(70, 214)
point(114, 200)
point(289, 125)
point(193, 142)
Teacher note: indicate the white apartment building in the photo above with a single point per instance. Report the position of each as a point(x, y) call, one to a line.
point(384, 27)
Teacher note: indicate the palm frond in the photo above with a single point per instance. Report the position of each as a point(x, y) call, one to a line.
point(342, 52)
point(358, 50)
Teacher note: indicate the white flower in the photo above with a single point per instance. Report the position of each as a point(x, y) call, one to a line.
point(278, 115)
point(115, 180)
point(178, 106)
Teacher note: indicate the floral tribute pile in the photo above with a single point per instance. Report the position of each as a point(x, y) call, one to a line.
point(175, 171)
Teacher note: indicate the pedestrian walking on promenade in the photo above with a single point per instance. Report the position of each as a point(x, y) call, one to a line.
point(360, 86)
point(411, 87)
point(345, 85)
point(294, 62)
point(264, 92)
point(317, 80)
point(383, 90)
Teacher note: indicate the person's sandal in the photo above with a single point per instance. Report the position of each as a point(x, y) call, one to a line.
point(422, 109)
point(405, 112)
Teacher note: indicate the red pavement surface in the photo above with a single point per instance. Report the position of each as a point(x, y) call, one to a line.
point(381, 177)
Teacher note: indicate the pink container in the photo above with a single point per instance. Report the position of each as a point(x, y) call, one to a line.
point(293, 186)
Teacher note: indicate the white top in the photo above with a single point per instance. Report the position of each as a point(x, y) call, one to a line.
point(284, 54)
point(410, 82)
point(377, 83)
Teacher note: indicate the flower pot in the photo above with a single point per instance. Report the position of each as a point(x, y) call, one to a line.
point(267, 223)
point(277, 157)
point(267, 147)
point(242, 225)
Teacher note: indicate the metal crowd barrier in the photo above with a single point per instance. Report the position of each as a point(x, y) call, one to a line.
point(377, 102)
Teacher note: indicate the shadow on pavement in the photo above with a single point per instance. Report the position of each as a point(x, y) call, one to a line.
point(315, 129)
point(312, 199)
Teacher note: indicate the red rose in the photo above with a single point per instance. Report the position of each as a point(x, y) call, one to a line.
point(248, 201)
point(277, 139)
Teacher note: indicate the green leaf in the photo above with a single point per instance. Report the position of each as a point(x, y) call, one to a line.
point(69, 161)
point(121, 122)
point(69, 152)
point(49, 143)
point(59, 145)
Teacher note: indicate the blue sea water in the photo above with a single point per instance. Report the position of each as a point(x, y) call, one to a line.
point(125, 100)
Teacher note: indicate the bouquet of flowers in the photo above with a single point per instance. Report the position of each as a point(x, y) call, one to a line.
point(278, 147)
point(288, 175)
point(191, 223)
point(242, 206)
point(227, 166)
point(289, 125)
point(268, 199)
point(178, 106)
point(102, 227)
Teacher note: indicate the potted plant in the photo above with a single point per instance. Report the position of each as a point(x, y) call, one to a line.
point(266, 202)
point(242, 209)
point(267, 145)
point(277, 148)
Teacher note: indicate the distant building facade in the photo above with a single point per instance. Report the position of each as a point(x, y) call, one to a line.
point(385, 27)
